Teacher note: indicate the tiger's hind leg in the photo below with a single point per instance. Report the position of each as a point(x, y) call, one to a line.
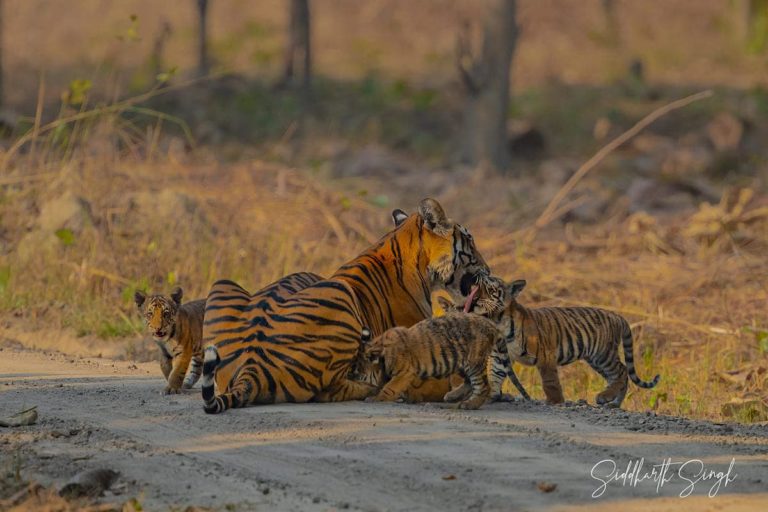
point(480, 389)
point(347, 390)
point(615, 374)
point(499, 363)
point(501, 367)
point(458, 393)
point(243, 392)
point(550, 381)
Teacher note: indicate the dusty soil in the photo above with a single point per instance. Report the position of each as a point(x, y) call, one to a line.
point(96, 413)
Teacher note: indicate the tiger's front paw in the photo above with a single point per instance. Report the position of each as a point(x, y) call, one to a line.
point(471, 404)
point(169, 390)
point(380, 398)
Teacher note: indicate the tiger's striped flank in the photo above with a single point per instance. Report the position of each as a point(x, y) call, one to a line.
point(298, 341)
point(550, 337)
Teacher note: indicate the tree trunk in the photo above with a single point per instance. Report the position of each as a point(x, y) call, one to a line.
point(1, 53)
point(298, 55)
point(485, 78)
point(202, 40)
point(612, 31)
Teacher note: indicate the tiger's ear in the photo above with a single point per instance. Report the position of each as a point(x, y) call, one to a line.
point(177, 294)
point(399, 216)
point(446, 305)
point(434, 217)
point(139, 297)
point(516, 287)
point(365, 336)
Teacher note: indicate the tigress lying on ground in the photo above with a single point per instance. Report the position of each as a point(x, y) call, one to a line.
point(178, 331)
point(436, 347)
point(555, 336)
point(295, 347)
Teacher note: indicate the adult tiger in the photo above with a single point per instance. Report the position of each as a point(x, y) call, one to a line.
point(275, 347)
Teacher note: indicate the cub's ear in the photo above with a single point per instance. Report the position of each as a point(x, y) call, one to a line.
point(399, 216)
point(446, 305)
point(365, 335)
point(177, 294)
point(139, 297)
point(434, 217)
point(516, 287)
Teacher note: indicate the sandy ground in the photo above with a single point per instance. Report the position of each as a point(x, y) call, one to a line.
point(98, 413)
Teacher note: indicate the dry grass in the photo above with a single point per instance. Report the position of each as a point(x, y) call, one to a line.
point(694, 288)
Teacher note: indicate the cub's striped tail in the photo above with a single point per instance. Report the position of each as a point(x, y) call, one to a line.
point(213, 404)
point(626, 341)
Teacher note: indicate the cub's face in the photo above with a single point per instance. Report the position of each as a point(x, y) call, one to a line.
point(369, 367)
point(497, 300)
point(159, 312)
point(488, 297)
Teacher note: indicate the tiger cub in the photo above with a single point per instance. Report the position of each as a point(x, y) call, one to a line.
point(436, 347)
point(549, 337)
point(178, 331)
point(499, 353)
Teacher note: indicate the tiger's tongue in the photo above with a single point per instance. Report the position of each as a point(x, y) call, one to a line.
point(470, 298)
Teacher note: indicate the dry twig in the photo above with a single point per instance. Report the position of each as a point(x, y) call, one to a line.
point(551, 212)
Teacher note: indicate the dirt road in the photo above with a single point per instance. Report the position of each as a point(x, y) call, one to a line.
point(357, 456)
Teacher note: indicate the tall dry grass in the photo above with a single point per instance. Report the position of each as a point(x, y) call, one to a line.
point(694, 287)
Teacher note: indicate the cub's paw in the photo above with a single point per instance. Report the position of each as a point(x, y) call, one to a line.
point(171, 390)
point(470, 405)
point(608, 401)
point(455, 396)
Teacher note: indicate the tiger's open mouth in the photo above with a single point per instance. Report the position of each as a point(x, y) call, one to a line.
point(467, 282)
point(160, 334)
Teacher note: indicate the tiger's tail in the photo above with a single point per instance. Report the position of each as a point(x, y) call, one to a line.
point(519, 385)
point(626, 341)
point(212, 403)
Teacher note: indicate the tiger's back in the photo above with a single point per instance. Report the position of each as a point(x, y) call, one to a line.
point(568, 334)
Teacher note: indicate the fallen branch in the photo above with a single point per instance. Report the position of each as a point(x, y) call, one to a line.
point(551, 212)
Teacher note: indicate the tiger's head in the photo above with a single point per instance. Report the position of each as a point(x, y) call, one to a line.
point(455, 264)
point(159, 312)
point(489, 297)
point(497, 300)
point(369, 367)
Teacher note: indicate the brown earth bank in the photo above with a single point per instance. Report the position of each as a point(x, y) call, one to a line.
point(102, 413)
